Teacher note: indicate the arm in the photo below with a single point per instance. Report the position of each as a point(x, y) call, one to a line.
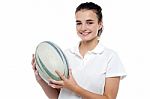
point(110, 91)
point(49, 91)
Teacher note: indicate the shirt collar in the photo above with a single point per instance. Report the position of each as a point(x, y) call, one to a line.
point(97, 50)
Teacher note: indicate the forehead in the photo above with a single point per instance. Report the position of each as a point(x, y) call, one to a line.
point(86, 15)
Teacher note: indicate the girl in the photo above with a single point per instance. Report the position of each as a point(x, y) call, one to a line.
point(95, 71)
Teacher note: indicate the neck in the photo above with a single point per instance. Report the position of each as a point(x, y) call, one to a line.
point(86, 46)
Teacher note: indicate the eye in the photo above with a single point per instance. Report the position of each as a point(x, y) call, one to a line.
point(78, 23)
point(89, 22)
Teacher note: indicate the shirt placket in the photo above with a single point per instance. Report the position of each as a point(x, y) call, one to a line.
point(85, 60)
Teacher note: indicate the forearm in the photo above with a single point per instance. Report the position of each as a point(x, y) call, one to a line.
point(85, 94)
point(49, 91)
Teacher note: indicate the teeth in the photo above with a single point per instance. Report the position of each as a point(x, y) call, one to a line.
point(85, 33)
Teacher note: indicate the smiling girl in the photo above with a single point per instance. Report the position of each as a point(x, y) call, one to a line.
point(95, 71)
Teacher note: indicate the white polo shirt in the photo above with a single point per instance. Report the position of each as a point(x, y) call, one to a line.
point(91, 71)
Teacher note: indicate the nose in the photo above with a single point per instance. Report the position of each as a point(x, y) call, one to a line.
point(83, 27)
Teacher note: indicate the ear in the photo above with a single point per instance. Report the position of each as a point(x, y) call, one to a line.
point(100, 25)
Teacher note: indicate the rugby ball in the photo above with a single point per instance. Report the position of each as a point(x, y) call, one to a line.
point(49, 57)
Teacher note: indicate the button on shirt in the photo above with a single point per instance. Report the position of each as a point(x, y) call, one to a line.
point(91, 71)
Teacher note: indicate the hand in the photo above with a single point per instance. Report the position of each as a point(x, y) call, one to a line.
point(68, 83)
point(37, 76)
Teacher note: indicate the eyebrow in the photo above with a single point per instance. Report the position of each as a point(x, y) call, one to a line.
point(89, 20)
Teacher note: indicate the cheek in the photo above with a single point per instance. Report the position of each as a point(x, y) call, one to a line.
point(95, 28)
point(77, 28)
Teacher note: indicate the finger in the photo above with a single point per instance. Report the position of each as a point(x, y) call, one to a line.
point(33, 55)
point(33, 59)
point(60, 75)
point(55, 86)
point(34, 66)
point(36, 73)
point(33, 63)
point(51, 81)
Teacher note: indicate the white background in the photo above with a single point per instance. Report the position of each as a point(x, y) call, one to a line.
point(25, 23)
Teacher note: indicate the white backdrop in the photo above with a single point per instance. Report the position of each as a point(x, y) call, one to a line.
point(25, 23)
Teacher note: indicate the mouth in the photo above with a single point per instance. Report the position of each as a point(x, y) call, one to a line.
point(85, 33)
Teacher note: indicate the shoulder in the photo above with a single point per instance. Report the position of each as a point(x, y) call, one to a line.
point(110, 52)
point(68, 51)
point(72, 50)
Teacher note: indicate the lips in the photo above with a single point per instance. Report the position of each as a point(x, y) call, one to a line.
point(85, 33)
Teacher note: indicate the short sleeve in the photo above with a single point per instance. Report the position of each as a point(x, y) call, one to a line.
point(115, 67)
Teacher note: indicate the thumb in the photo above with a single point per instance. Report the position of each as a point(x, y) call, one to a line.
point(70, 73)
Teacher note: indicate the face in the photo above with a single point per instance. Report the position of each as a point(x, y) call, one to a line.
point(87, 24)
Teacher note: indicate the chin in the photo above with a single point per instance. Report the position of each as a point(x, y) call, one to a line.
point(85, 39)
point(88, 39)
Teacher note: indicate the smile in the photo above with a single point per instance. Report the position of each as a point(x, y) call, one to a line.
point(85, 33)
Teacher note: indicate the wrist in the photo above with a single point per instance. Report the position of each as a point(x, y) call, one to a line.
point(41, 81)
point(76, 89)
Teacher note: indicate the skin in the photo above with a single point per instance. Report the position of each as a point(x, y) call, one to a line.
point(87, 27)
point(51, 93)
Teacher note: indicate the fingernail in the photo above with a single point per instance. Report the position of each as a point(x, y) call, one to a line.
point(53, 86)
